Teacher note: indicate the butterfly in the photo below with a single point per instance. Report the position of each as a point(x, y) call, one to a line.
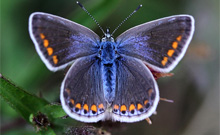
point(109, 79)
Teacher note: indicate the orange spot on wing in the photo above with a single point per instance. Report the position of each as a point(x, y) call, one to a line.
point(46, 43)
point(50, 51)
point(131, 107)
point(123, 108)
point(94, 108)
point(164, 61)
point(72, 101)
point(175, 45)
point(42, 36)
point(78, 105)
point(101, 106)
point(145, 102)
point(179, 38)
point(116, 107)
point(55, 60)
point(139, 106)
point(170, 52)
point(86, 107)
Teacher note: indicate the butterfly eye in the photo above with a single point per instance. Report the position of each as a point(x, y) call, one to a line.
point(104, 39)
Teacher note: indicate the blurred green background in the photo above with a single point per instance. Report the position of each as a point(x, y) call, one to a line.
point(194, 87)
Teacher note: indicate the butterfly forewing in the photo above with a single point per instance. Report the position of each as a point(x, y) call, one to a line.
point(59, 41)
point(136, 92)
point(82, 94)
point(161, 43)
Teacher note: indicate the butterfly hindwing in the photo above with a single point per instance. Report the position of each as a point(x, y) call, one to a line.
point(59, 41)
point(136, 92)
point(161, 44)
point(82, 94)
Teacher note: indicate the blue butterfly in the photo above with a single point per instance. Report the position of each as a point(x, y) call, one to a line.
point(109, 78)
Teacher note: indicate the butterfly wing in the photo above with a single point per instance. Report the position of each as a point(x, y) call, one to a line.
point(59, 41)
point(82, 94)
point(136, 92)
point(161, 44)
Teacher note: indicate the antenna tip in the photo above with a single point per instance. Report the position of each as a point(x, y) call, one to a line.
point(138, 8)
point(77, 2)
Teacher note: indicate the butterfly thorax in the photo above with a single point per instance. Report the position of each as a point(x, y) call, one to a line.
point(107, 52)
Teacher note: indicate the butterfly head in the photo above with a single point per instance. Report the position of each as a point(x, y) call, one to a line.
point(107, 36)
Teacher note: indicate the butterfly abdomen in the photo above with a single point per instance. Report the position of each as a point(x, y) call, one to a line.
point(109, 76)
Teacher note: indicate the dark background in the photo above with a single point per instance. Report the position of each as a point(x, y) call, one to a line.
point(194, 86)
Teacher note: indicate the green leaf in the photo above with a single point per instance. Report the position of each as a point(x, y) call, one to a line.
point(53, 111)
point(30, 106)
point(23, 102)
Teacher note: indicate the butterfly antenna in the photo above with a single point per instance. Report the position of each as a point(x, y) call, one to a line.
point(127, 18)
point(77, 2)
